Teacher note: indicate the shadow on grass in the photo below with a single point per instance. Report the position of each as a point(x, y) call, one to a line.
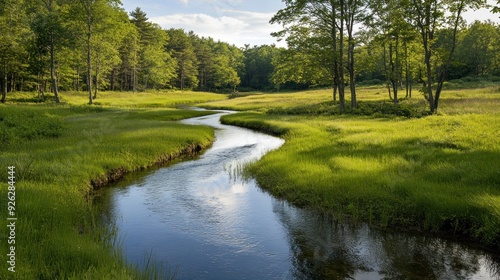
point(417, 183)
point(405, 108)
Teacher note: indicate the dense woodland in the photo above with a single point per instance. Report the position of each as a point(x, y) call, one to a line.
point(92, 45)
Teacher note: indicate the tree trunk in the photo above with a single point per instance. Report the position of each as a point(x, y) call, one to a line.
point(336, 75)
point(182, 79)
point(407, 69)
point(89, 53)
point(4, 91)
point(112, 81)
point(334, 86)
point(341, 59)
point(134, 70)
point(396, 73)
point(96, 89)
point(446, 66)
point(390, 92)
point(53, 77)
point(77, 86)
point(12, 83)
point(351, 58)
point(386, 68)
point(352, 75)
point(430, 95)
point(395, 89)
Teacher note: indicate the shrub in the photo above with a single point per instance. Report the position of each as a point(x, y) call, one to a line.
point(368, 108)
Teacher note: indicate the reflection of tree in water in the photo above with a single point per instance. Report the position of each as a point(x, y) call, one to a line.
point(493, 264)
point(324, 249)
point(420, 257)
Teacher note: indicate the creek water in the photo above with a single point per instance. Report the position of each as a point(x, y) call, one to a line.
point(201, 219)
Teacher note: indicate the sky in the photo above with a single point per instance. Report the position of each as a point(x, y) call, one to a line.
point(237, 22)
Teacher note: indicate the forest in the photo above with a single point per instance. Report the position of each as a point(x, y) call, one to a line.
point(92, 45)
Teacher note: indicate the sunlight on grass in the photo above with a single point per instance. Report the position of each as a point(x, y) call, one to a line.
point(466, 101)
point(432, 173)
point(150, 99)
point(56, 173)
point(396, 168)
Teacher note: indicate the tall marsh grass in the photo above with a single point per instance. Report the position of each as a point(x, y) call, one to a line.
point(61, 154)
point(437, 173)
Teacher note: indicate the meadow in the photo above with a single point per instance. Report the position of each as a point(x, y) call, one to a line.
point(438, 174)
point(62, 154)
point(391, 167)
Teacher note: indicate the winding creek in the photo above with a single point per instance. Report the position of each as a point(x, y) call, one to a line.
point(203, 220)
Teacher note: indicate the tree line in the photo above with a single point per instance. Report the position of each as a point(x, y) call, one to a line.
point(400, 41)
point(91, 45)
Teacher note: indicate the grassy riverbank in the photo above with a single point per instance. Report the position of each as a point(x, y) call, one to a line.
point(61, 154)
point(435, 173)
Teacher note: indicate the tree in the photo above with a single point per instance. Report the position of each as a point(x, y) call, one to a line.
point(300, 67)
point(13, 42)
point(129, 50)
point(49, 35)
point(226, 63)
point(154, 66)
point(323, 20)
point(88, 6)
point(354, 13)
point(427, 16)
point(109, 32)
point(187, 64)
point(328, 22)
point(394, 34)
point(477, 52)
point(92, 17)
point(205, 56)
point(258, 66)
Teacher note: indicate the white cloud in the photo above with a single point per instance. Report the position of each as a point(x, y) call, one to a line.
point(232, 26)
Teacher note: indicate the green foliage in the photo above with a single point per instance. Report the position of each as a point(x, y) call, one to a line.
point(187, 65)
point(219, 65)
point(258, 67)
point(154, 66)
point(476, 54)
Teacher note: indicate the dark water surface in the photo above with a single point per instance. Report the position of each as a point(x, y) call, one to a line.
point(202, 219)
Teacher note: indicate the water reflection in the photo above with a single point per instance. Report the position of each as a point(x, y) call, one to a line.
point(203, 218)
point(325, 249)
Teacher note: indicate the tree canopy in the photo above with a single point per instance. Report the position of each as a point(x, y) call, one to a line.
point(92, 45)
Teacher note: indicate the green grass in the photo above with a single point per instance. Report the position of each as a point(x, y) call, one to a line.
point(149, 99)
point(143, 99)
point(436, 173)
point(61, 154)
point(431, 173)
point(373, 101)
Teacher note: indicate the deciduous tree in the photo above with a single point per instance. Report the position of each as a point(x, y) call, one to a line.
point(428, 16)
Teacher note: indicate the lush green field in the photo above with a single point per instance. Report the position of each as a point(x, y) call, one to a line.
point(61, 154)
point(150, 99)
point(431, 173)
point(318, 102)
point(436, 173)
